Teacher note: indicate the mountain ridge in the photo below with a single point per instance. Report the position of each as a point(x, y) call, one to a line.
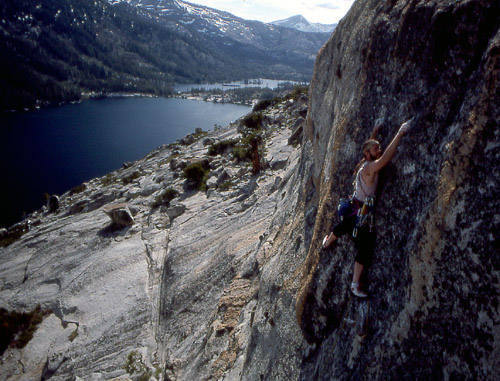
point(222, 24)
point(299, 22)
point(57, 50)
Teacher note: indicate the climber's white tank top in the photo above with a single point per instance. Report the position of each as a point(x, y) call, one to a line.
point(361, 189)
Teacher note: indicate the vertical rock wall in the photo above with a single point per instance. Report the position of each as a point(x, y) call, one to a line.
point(434, 280)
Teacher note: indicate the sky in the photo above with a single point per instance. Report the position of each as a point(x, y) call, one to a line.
point(316, 11)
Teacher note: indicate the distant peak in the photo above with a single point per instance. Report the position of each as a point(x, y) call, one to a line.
point(296, 18)
point(299, 22)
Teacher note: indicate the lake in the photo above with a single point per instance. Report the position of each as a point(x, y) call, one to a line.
point(54, 149)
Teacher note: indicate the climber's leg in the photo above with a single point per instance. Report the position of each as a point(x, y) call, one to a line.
point(358, 270)
point(356, 290)
point(328, 240)
point(345, 226)
point(365, 244)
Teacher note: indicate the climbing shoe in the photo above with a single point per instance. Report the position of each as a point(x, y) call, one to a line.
point(323, 247)
point(356, 291)
point(324, 242)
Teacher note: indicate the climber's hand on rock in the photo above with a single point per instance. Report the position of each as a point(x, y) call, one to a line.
point(405, 127)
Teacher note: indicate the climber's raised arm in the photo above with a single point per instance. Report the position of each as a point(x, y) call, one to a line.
point(389, 152)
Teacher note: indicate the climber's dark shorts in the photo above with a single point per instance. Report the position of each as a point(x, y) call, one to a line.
point(364, 241)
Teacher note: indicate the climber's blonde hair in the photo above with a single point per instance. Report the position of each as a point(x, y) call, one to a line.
point(369, 144)
point(365, 148)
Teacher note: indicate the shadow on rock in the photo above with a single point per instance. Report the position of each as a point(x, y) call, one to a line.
point(113, 230)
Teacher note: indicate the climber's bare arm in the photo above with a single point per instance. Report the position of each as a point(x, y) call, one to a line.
point(389, 152)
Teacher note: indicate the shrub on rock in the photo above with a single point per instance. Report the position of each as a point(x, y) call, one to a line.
point(18, 327)
point(253, 121)
point(196, 175)
point(130, 178)
point(165, 197)
point(78, 189)
point(8, 236)
point(250, 148)
point(222, 147)
point(263, 104)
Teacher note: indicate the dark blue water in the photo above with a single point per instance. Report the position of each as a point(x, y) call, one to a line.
point(54, 149)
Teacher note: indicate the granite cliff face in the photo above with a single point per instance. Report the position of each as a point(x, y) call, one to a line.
point(434, 279)
point(231, 284)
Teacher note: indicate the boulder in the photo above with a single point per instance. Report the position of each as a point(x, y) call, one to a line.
point(132, 193)
point(120, 215)
point(175, 211)
point(148, 187)
point(246, 190)
point(278, 163)
point(181, 165)
point(249, 268)
point(275, 185)
point(159, 178)
point(242, 171)
point(212, 182)
point(102, 198)
point(225, 175)
point(53, 203)
point(302, 112)
point(215, 164)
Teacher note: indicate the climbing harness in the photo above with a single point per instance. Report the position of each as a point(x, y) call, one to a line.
point(364, 216)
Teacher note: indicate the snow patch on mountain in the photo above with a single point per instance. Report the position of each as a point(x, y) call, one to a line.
point(299, 22)
point(221, 29)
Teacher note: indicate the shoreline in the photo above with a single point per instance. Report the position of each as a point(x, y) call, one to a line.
point(95, 96)
point(214, 98)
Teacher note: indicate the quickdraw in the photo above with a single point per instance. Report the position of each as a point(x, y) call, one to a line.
point(364, 216)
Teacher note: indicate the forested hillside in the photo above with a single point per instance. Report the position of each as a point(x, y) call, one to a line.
point(55, 50)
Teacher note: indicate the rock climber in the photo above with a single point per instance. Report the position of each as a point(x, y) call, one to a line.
point(365, 185)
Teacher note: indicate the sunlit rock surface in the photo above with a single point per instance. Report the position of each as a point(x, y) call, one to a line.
point(102, 280)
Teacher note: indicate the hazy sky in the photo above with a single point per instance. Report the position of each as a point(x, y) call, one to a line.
point(321, 11)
